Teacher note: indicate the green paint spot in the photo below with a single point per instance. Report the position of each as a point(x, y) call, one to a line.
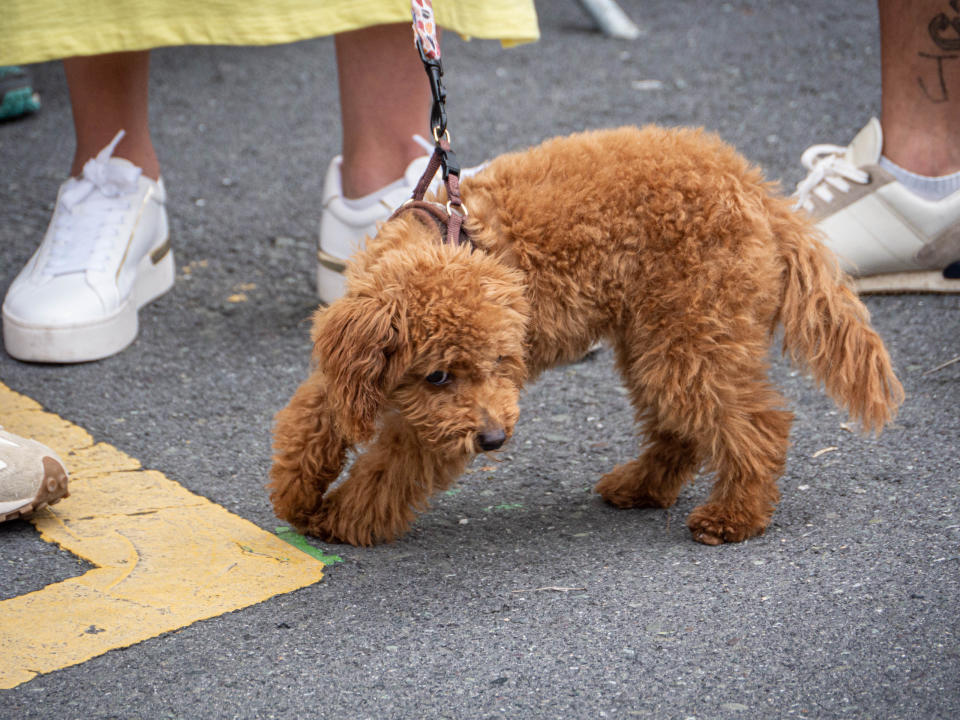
point(453, 491)
point(301, 543)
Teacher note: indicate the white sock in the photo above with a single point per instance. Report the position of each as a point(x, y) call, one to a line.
point(928, 188)
point(362, 203)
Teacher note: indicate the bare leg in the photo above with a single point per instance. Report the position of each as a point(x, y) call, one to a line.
point(384, 100)
point(920, 78)
point(109, 93)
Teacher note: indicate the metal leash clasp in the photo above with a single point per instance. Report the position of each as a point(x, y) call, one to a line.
point(438, 113)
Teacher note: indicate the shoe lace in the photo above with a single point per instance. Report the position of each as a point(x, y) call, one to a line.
point(89, 217)
point(828, 168)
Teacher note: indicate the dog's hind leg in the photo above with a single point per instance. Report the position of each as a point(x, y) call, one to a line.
point(750, 447)
point(745, 433)
point(655, 478)
point(703, 385)
point(669, 460)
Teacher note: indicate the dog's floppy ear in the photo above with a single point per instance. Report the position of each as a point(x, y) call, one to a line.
point(360, 346)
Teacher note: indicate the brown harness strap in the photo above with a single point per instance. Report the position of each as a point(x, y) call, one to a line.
point(421, 189)
point(449, 219)
point(449, 225)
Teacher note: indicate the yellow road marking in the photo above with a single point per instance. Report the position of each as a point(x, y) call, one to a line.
point(164, 557)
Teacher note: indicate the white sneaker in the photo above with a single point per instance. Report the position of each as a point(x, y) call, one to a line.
point(888, 238)
point(344, 229)
point(31, 476)
point(106, 253)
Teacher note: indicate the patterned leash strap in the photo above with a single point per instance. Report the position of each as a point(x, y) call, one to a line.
point(425, 28)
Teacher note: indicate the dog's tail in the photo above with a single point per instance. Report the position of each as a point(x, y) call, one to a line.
point(827, 328)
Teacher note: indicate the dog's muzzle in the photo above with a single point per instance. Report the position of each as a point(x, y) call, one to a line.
point(491, 439)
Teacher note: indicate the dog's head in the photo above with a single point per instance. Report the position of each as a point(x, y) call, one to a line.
point(430, 332)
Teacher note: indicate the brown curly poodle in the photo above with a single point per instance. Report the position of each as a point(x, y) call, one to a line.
point(665, 243)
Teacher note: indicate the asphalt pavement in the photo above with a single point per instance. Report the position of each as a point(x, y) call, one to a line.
point(520, 594)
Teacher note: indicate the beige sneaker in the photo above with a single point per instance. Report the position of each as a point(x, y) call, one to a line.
point(31, 476)
point(886, 237)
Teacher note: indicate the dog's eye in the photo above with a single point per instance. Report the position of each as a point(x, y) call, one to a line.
point(439, 377)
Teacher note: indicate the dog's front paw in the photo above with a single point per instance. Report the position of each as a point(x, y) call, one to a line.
point(713, 524)
point(296, 511)
point(332, 528)
point(341, 519)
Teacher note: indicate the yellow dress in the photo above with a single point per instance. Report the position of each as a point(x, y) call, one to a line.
point(37, 30)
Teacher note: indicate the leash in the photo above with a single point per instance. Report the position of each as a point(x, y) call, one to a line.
point(449, 218)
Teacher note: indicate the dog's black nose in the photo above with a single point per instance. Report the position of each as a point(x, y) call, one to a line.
point(491, 439)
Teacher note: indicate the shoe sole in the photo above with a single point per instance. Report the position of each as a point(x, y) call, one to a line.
point(53, 488)
point(100, 339)
point(331, 285)
point(931, 281)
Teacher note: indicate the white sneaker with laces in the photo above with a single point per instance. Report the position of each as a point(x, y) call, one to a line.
point(106, 253)
point(31, 476)
point(344, 229)
point(887, 237)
